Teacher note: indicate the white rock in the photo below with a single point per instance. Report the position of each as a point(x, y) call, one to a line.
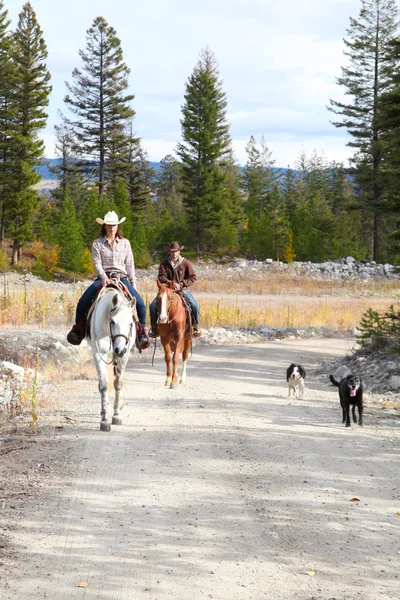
point(9, 368)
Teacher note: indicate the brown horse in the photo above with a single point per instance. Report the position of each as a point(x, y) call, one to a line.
point(175, 338)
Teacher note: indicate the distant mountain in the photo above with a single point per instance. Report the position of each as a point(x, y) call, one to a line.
point(45, 173)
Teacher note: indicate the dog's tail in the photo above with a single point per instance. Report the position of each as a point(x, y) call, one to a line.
point(333, 380)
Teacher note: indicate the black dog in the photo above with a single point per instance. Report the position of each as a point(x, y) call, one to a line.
point(338, 375)
point(350, 393)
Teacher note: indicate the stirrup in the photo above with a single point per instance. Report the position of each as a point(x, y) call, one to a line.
point(143, 341)
point(75, 336)
point(196, 331)
point(153, 333)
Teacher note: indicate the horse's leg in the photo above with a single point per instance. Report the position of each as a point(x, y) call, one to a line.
point(101, 369)
point(167, 357)
point(175, 362)
point(118, 403)
point(185, 354)
point(118, 383)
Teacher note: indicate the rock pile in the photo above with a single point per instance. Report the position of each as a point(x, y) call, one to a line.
point(347, 268)
point(378, 367)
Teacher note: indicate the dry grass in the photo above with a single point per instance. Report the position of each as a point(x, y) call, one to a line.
point(39, 306)
point(335, 313)
point(286, 284)
point(283, 300)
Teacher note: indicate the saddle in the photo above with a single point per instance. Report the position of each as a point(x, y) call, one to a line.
point(116, 284)
point(188, 310)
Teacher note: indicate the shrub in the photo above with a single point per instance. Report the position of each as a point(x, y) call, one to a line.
point(289, 254)
point(46, 257)
point(375, 326)
point(86, 263)
point(4, 262)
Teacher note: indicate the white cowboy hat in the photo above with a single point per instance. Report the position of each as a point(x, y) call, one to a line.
point(111, 218)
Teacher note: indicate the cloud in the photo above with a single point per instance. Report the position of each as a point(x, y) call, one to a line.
point(278, 62)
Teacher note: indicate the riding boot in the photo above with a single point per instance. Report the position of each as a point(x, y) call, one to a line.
point(77, 333)
point(143, 341)
point(196, 330)
point(153, 333)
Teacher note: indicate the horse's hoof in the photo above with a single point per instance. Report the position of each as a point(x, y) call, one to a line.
point(116, 420)
point(167, 383)
point(105, 426)
point(173, 386)
point(183, 381)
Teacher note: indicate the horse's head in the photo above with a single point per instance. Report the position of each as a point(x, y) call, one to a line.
point(165, 298)
point(121, 324)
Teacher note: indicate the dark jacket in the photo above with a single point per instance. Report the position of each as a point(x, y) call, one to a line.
point(183, 273)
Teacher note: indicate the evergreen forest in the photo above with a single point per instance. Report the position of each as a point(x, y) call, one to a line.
point(312, 211)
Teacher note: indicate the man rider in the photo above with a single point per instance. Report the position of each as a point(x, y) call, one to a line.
point(178, 269)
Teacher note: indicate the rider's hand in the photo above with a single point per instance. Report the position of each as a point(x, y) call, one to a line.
point(105, 281)
point(177, 287)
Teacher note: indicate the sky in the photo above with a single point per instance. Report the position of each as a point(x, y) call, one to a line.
point(278, 63)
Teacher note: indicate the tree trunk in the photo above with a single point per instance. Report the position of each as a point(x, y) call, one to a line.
point(3, 225)
point(376, 247)
point(14, 258)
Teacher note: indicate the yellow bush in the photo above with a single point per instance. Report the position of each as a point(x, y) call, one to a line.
point(45, 256)
point(4, 262)
point(87, 264)
point(289, 254)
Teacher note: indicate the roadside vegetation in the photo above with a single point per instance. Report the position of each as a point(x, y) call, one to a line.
point(252, 302)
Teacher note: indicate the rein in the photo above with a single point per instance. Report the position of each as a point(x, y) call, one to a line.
point(171, 301)
point(128, 337)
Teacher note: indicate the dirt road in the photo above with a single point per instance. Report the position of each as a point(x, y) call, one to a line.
point(223, 489)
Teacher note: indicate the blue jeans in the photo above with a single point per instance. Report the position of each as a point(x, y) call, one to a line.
point(192, 302)
point(90, 294)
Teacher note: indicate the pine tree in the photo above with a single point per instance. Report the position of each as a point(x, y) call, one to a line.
point(98, 98)
point(123, 208)
point(168, 184)
point(259, 177)
point(391, 154)
point(368, 77)
point(171, 215)
point(139, 181)
point(92, 207)
point(267, 225)
point(232, 207)
point(31, 92)
point(6, 65)
point(70, 236)
point(68, 169)
point(206, 141)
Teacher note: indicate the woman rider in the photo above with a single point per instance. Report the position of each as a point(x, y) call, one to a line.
point(111, 253)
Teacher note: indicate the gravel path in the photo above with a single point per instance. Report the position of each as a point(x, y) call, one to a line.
point(223, 489)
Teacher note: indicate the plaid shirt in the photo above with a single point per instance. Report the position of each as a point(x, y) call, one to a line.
point(117, 257)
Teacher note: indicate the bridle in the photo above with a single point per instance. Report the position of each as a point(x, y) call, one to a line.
point(171, 300)
point(114, 337)
point(115, 359)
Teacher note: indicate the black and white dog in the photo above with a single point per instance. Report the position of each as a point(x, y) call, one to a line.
point(350, 394)
point(295, 376)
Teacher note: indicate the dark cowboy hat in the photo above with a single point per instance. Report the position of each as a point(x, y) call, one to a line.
point(174, 246)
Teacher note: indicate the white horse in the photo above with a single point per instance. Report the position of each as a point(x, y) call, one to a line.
point(112, 330)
